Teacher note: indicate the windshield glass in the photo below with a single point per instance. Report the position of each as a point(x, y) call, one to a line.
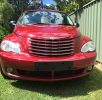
point(45, 17)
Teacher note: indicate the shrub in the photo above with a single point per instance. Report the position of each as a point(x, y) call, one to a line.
point(3, 32)
point(6, 13)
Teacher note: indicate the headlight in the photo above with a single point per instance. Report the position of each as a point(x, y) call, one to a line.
point(9, 46)
point(88, 47)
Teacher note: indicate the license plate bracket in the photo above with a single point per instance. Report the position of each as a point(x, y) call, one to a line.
point(55, 66)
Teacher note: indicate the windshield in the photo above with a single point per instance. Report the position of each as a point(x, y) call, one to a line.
point(45, 17)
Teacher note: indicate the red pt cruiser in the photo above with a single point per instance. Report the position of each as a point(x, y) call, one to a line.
point(46, 46)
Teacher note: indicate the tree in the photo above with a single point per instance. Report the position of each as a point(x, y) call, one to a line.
point(70, 5)
point(6, 13)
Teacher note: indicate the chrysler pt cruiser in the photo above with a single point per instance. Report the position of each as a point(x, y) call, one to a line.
point(46, 45)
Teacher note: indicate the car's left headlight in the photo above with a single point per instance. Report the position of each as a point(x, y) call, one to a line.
point(9, 46)
point(88, 47)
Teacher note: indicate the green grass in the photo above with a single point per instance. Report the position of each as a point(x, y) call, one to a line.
point(88, 88)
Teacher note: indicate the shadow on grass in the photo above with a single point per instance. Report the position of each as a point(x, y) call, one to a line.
point(70, 88)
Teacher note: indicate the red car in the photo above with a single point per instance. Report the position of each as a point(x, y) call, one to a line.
point(45, 45)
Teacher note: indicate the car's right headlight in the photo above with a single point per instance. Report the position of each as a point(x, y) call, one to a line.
point(9, 46)
point(88, 47)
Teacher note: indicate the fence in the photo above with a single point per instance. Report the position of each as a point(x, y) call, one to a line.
point(90, 19)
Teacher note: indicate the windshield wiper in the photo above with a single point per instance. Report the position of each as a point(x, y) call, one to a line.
point(42, 23)
point(66, 24)
point(38, 23)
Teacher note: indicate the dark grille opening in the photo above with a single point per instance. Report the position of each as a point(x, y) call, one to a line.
point(34, 73)
point(68, 73)
point(48, 74)
point(48, 47)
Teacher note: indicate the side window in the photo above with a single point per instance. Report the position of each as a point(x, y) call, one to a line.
point(69, 20)
point(20, 20)
point(25, 19)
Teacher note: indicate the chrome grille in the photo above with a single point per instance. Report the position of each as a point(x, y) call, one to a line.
point(51, 47)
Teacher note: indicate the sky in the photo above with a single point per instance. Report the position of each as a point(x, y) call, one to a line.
point(49, 2)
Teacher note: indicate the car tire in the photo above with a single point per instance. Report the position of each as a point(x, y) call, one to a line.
point(4, 76)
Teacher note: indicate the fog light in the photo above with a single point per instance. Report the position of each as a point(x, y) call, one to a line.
point(89, 68)
point(10, 70)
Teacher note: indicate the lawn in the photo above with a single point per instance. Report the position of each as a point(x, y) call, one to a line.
point(88, 88)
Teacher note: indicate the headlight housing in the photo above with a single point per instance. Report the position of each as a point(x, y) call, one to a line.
point(88, 47)
point(9, 46)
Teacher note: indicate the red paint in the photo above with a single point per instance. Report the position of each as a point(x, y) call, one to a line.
point(47, 30)
point(26, 61)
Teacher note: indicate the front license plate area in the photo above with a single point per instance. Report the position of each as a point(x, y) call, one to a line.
point(53, 66)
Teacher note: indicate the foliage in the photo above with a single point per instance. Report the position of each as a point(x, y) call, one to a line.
point(18, 5)
point(70, 5)
point(6, 13)
point(3, 32)
point(50, 6)
point(22, 5)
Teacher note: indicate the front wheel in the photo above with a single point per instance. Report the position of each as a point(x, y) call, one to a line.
point(4, 76)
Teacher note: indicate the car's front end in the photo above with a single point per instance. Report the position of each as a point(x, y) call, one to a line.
point(46, 53)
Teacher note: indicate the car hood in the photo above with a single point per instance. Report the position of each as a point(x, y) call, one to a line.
point(36, 31)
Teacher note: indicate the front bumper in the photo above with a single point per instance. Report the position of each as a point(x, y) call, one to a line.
point(25, 67)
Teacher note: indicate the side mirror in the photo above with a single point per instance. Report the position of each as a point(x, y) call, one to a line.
point(13, 23)
point(77, 24)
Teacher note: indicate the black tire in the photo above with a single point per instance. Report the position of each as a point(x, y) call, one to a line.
point(4, 76)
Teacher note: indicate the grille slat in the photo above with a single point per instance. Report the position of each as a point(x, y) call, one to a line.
point(51, 47)
point(51, 41)
point(46, 54)
point(52, 51)
point(51, 44)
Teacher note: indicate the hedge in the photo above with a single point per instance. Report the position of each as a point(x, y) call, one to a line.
point(3, 33)
point(6, 13)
